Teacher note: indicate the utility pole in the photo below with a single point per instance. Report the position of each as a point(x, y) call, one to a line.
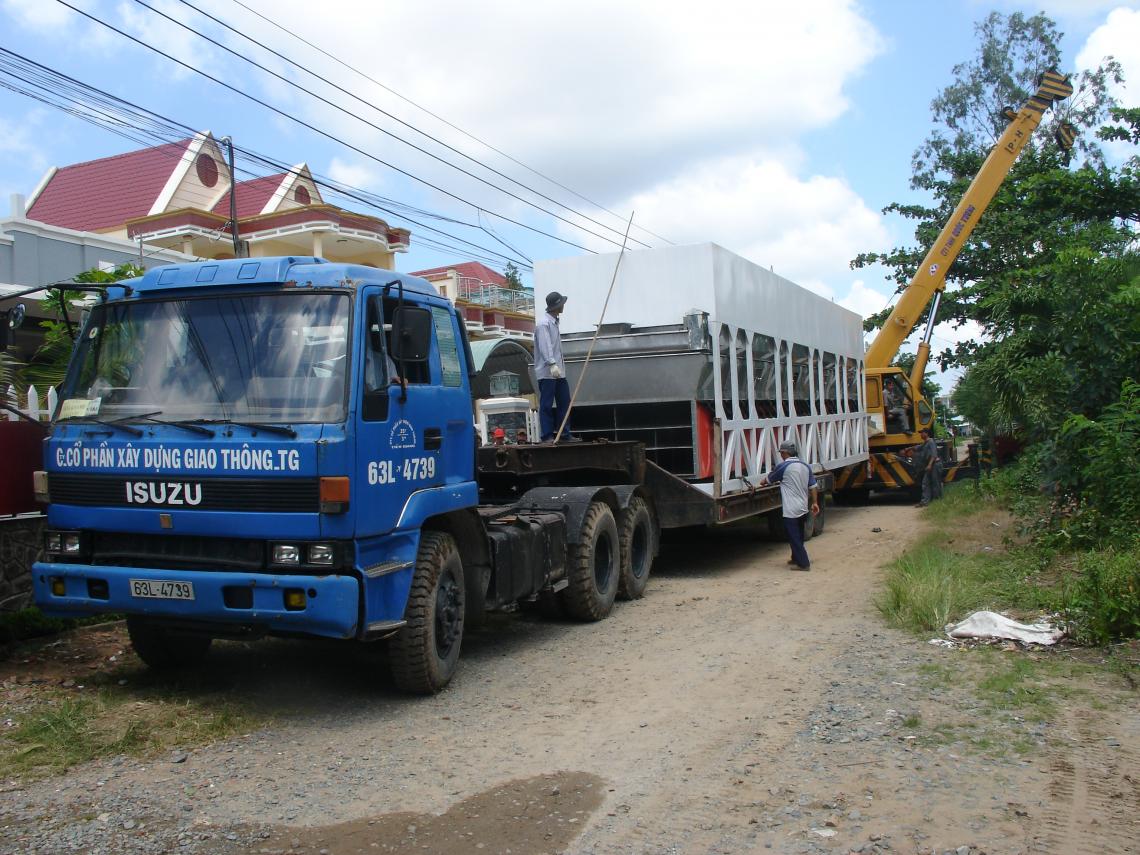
point(229, 144)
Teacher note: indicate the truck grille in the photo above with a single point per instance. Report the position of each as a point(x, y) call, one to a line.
point(177, 552)
point(258, 495)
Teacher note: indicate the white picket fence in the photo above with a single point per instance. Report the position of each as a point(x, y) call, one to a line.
point(31, 404)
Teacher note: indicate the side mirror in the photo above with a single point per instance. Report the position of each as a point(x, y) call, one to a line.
point(9, 321)
point(411, 334)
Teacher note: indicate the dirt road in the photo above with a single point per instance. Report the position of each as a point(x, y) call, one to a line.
point(739, 707)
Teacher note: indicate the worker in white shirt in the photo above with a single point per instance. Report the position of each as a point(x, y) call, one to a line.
point(550, 371)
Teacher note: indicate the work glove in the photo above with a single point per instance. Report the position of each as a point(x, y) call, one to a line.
point(555, 372)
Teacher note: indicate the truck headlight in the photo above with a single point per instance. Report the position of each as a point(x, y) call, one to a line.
point(286, 553)
point(321, 553)
point(63, 543)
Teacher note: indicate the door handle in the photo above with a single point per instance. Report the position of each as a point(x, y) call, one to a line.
point(433, 439)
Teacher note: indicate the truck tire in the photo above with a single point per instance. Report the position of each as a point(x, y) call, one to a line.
point(809, 527)
point(594, 566)
point(424, 653)
point(817, 522)
point(637, 538)
point(163, 650)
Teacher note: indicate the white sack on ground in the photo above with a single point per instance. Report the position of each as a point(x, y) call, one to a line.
point(993, 625)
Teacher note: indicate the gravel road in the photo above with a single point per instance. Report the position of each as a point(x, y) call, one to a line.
point(739, 707)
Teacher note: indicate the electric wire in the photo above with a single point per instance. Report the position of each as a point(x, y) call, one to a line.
point(383, 112)
point(146, 127)
point(440, 118)
point(316, 130)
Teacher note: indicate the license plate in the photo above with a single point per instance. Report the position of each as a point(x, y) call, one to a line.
point(160, 589)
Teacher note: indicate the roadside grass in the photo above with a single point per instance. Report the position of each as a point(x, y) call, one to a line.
point(971, 559)
point(56, 730)
point(82, 695)
point(976, 555)
point(1004, 698)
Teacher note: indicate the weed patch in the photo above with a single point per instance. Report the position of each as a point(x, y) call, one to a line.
point(57, 731)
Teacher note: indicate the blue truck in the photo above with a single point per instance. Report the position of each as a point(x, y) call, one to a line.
point(286, 446)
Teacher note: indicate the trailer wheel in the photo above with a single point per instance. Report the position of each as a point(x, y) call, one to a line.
point(809, 527)
point(637, 539)
point(424, 653)
point(595, 566)
point(817, 522)
point(163, 650)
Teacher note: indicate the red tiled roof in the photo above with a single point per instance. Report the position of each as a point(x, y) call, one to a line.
point(251, 195)
point(471, 269)
point(105, 193)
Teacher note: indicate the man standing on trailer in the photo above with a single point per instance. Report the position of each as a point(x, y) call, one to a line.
point(550, 370)
point(798, 494)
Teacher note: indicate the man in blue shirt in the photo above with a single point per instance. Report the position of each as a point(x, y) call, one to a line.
point(798, 493)
point(550, 370)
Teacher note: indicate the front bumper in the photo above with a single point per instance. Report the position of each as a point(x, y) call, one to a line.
point(331, 608)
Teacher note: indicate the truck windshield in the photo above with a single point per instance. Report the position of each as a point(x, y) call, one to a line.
point(278, 357)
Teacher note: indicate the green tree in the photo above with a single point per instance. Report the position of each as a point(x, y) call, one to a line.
point(1044, 207)
point(511, 274)
point(48, 367)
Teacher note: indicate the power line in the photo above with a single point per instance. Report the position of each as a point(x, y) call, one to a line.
point(374, 126)
point(314, 128)
point(136, 123)
point(438, 117)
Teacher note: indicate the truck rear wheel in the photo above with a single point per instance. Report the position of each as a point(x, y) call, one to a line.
point(424, 653)
point(595, 566)
point(637, 539)
point(161, 649)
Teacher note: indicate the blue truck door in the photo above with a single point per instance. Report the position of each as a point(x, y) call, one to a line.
point(401, 427)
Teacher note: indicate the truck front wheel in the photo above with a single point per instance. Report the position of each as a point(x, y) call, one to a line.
point(425, 652)
point(637, 549)
point(595, 566)
point(162, 649)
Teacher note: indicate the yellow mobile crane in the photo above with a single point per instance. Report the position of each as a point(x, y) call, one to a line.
point(894, 401)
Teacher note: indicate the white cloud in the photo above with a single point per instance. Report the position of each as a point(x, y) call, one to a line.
point(863, 299)
point(356, 173)
point(807, 230)
point(37, 15)
point(602, 96)
point(1118, 37)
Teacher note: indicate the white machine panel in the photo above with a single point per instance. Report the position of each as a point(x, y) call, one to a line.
point(661, 286)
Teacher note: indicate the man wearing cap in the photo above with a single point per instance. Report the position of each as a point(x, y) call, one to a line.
point(550, 370)
point(798, 493)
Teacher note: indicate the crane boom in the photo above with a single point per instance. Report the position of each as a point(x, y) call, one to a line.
point(930, 278)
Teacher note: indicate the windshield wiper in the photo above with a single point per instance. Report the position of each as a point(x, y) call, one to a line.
point(281, 429)
point(134, 431)
point(190, 426)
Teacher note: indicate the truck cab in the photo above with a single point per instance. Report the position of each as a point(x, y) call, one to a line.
point(255, 446)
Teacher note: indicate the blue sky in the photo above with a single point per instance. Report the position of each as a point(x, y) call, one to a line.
point(777, 130)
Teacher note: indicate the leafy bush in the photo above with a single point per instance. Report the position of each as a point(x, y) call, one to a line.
point(1105, 600)
point(1096, 462)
